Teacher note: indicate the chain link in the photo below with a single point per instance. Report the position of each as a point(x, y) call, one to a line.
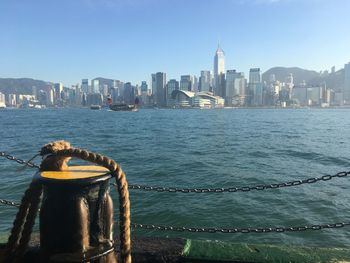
point(239, 189)
point(8, 203)
point(239, 230)
point(247, 230)
point(18, 160)
point(206, 190)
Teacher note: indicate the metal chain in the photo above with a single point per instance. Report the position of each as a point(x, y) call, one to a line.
point(239, 189)
point(18, 160)
point(206, 190)
point(9, 203)
point(239, 230)
point(221, 230)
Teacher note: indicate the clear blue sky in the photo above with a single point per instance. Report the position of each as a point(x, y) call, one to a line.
point(66, 40)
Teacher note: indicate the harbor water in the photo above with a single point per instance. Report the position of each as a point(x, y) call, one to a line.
point(199, 149)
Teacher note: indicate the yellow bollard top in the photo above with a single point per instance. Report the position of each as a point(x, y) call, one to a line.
point(76, 172)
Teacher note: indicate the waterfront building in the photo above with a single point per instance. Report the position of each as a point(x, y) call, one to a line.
point(299, 94)
point(255, 87)
point(35, 91)
point(85, 85)
point(186, 83)
point(195, 84)
point(58, 87)
point(2, 100)
point(187, 99)
point(205, 81)
point(104, 90)
point(346, 90)
point(159, 88)
point(219, 72)
point(11, 100)
point(129, 93)
point(50, 96)
point(78, 96)
point(144, 92)
point(230, 86)
point(200, 102)
point(95, 86)
point(240, 90)
point(172, 85)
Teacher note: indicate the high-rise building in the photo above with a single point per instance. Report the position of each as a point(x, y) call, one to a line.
point(255, 87)
point(144, 92)
point(219, 72)
point(195, 84)
point(205, 81)
point(2, 100)
point(129, 93)
point(186, 83)
point(346, 90)
point(58, 91)
point(85, 85)
point(172, 85)
point(153, 84)
point(230, 86)
point(95, 86)
point(159, 88)
point(12, 102)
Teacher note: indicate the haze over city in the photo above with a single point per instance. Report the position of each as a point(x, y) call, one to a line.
point(66, 41)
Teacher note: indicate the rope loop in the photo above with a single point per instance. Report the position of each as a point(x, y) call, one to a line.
point(58, 154)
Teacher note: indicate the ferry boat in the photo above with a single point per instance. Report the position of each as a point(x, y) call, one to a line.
point(95, 107)
point(123, 107)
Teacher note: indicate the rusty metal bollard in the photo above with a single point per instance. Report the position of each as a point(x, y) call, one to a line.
point(76, 216)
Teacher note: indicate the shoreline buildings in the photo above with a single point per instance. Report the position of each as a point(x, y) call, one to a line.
point(213, 89)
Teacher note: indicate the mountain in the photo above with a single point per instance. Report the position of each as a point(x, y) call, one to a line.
point(299, 74)
point(20, 86)
point(332, 80)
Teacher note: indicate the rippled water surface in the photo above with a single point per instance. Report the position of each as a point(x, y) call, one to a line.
point(203, 148)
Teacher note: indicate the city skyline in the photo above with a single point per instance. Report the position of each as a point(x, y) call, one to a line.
point(128, 40)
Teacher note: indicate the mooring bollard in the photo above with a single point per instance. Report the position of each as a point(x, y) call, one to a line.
point(76, 216)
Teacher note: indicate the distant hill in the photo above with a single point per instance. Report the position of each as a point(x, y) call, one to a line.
point(311, 77)
point(20, 86)
point(334, 81)
point(299, 74)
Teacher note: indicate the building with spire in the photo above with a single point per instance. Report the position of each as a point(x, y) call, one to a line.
point(219, 72)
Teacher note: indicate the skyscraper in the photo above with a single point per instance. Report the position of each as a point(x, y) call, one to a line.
point(85, 85)
point(346, 90)
point(159, 88)
point(219, 72)
point(205, 81)
point(230, 86)
point(186, 83)
point(255, 87)
point(172, 85)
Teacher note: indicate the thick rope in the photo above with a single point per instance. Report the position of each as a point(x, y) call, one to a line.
point(30, 220)
point(122, 187)
point(22, 225)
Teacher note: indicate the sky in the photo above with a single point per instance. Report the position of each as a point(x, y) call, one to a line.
point(67, 40)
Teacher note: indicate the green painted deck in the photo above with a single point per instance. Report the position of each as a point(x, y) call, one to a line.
point(177, 250)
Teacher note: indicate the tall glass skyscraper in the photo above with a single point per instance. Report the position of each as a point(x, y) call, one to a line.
point(219, 72)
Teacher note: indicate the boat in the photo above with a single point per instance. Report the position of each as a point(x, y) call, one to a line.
point(123, 107)
point(95, 107)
